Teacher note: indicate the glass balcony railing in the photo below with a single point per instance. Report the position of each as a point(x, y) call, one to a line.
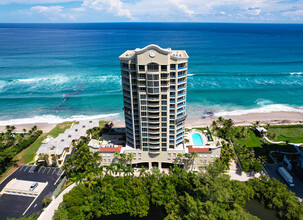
point(182, 68)
point(124, 68)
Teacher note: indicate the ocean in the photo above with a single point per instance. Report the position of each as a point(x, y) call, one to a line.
point(56, 72)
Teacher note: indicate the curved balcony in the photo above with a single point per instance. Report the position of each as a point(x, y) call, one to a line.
point(155, 103)
point(154, 137)
point(154, 125)
point(153, 131)
point(153, 121)
point(153, 110)
point(153, 116)
point(154, 152)
point(154, 142)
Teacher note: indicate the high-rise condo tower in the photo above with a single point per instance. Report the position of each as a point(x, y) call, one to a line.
point(154, 82)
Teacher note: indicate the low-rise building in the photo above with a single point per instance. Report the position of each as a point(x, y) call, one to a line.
point(206, 147)
point(56, 149)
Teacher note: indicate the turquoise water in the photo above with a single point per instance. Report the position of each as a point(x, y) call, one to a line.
point(233, 68)
point(197, 139)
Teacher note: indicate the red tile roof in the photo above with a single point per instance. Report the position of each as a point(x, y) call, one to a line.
point(110, 149)
point(199, 150)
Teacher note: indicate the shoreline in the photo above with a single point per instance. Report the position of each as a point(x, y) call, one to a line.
point(273, 118)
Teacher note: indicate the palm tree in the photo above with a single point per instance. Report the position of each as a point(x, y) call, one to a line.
point(24, 130)
point(116, 156)
point(130, 157)
point(193, 156)
point(142, 171)
point(179, 156)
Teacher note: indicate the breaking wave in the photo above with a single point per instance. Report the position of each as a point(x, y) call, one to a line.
point(262, 109)
point(56, 119)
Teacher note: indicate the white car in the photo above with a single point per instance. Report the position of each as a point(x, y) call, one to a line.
point(33, 186)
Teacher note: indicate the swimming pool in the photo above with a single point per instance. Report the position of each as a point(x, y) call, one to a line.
point(197, 139)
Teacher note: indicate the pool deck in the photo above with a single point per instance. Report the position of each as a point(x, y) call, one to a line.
point(206, 143)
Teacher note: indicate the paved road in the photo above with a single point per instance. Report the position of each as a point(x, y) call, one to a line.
point(21, 205)
point(297, 189)
point(49, 212)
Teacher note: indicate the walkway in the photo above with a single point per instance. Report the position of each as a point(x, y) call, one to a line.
point(49, 212)
point(281, 142)
point(236, 174)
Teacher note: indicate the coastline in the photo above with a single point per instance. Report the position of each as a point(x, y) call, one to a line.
point(273, 118)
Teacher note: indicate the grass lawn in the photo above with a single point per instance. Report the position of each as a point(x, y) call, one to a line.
point(103, 123)
point(252, 140)
point(291, 133)
point(27, 155)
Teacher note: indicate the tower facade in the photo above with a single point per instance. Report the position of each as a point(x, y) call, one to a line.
point(154, 82)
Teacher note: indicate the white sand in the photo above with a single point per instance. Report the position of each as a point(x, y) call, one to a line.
point(273, 118)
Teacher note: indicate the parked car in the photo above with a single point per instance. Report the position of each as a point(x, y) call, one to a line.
point(33, 186)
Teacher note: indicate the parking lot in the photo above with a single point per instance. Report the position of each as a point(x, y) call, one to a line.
point(15, 206)
point(297, 189)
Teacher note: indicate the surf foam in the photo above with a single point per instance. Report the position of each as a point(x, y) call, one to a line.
point(55, 119)
point(262, 109)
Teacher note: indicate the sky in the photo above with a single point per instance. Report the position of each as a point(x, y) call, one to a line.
point(75, 11)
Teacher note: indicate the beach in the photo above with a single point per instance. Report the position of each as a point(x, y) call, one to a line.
point(45, 127)
point(272, 118)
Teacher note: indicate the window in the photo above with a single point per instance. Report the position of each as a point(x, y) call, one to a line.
point(144, 129)
point(143, 102)
point(164, 124)
point(141, 68)
point(173, 66)
point(169, 155)
point(143, 96)
point(139, 155)
point(164, 135)
point(163, 67)
point(163, 118)
point(145, 144)
point(143, 119)
point(152, 67)
point(143, 113)
point(164, 113)
point(144, 124)
point(144, 139)
point(143, 107)
point(164, 102)
point(125, 65)
point(164, 139)
point(174, 156)
point(133, 66)
point(164, 130)
point(164, 108)
point(164, 149)
point(144, 135)
point(164, 96)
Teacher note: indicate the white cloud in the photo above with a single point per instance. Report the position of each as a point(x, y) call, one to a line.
point(4, 2)
point(53, 12)
point(181, 5)
point(171, 10)
point(254, 11)
point(293, 13)
point(115, 7)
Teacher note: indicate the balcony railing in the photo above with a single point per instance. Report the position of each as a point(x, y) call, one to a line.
point(181, 100)
point(124, 68)
point(179, 111)
point(182, 68)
